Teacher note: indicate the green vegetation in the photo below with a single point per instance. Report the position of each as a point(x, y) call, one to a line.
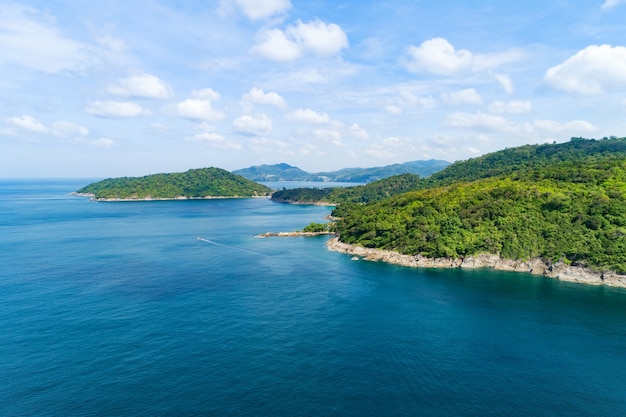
point(285, 172)
point(565, 201)
point(195, 183)
point(316, 228)
point(359, 194)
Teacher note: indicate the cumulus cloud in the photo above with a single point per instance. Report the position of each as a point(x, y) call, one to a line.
point(206, 94)
point(28, 123)
point(258, 96)
point(437, 56)
point(310, 116)
point(511, 107)
point(462, 97)
point(256, 10)
point(479, 121)
point(253, 125)
point(329, 135)
point(198, 109)
point(69, 129)
point(29, 39)
point(594, 70)
point(115, 109)
point(141, 86)
point(358, 132)
point(317, 37)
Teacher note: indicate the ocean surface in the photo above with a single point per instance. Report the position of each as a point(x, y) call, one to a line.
point(118, 309)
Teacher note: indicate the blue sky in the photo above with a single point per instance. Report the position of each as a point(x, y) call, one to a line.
point(115, 88)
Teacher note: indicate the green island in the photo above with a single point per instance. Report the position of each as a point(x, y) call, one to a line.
point(546, 209)
point(195, 183)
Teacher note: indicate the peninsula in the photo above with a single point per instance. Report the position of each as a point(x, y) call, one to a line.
point(554, 209)
point(193, 184)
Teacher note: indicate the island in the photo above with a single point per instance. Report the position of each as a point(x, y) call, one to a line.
point(200, 183)
point(558, 210)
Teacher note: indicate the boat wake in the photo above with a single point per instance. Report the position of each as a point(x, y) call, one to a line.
point(229, 246)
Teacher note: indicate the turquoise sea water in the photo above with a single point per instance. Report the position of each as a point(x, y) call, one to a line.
point(118, 309)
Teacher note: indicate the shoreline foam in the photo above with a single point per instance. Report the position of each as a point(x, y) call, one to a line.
point(535, 266)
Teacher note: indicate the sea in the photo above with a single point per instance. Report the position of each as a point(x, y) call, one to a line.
point(174, 308)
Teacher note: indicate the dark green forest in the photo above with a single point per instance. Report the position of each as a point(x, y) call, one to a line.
point(555, 201)
point(195, 183)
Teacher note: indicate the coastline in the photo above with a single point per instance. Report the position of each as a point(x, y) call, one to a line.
point(113, 200)
point(535, 266)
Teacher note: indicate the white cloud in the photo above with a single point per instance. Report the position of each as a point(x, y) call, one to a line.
point(393, 109)
point(198, 109)
point(438, 56)
point(506, 83)
point(327, 134)
point(258, 96)
point(574, 127)
point(273, 44)
point(479, 121)
point(115, 109)
point(213, 140)
point(308, 115)
point(253, 125)
point(463, 97)
point(27, 123)
point(318, 37)
point(69, 129)
point(594, 70)
point(206, 94)
point(358, 132)
point(609, 4)
point(141, 85)
point(511, 107)
point(28, 39)
point(256, 9)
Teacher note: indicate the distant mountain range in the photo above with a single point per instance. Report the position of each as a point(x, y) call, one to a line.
point(286, 172)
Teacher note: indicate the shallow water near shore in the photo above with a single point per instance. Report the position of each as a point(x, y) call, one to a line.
point(119, 309)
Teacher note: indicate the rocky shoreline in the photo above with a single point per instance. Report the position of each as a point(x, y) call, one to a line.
point(536, 266)
point(292, 234)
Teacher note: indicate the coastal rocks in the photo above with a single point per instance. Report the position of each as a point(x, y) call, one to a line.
point(535, 266)
point(292, 234)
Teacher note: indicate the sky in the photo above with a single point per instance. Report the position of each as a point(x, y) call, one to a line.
point(119, 88)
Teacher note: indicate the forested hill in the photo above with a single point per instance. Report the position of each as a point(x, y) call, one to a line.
point(358, 194)
point(557, 202)
point(285, 172)
point(195, 183)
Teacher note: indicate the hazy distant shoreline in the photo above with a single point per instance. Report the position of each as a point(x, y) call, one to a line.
point(113, 200)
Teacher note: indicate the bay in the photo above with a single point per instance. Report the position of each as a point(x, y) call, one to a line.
point(119, 309)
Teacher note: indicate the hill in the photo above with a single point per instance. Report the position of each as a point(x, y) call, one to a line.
point(286, 172)
point(195, 183)
point(562, 202)
point(358, 194)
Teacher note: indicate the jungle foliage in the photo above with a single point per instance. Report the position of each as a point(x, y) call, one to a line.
point(195, 183)
point(559, 202)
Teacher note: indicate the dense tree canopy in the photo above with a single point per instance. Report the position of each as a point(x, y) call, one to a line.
point(195, 183)
point(563, 201)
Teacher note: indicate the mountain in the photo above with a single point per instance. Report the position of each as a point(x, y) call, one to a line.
point(286, 172)
point(195, 183)
point(277, 172)
point(557, 202)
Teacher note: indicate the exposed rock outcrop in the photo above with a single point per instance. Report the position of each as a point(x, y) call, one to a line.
point(536, 266)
